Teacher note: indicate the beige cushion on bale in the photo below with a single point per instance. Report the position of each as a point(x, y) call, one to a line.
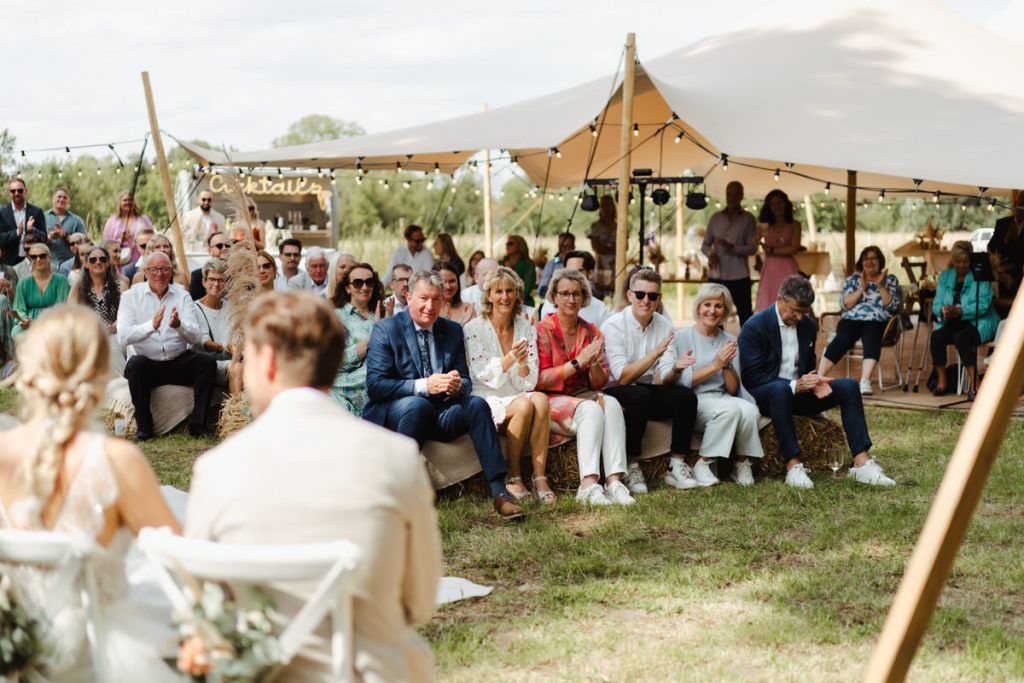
point(170, 404)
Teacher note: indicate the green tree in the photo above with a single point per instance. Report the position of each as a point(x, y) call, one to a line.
point(317, 127)
point(7, 142)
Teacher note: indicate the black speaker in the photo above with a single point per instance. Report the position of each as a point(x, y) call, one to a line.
point(696, 201)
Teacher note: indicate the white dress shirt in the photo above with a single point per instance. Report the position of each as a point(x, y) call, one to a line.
point(790, 351)
point(305, 282)
point(625, 342)
point(135, 331)
point(423, 260)
point(473, 295)
point(420, 386)
point(20, 220)
point(280, 282)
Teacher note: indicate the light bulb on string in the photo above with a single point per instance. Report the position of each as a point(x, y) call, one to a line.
point(359, 180)
point(406, 184)
point(398, 167)
point(280, 174)
point(963, 207)
point(319, 173)
point(776, 175)
point(992, 205)
point(477, 192)
point(593, 130)
point(935, 198)
point(79, 173)
point(380, 181)
point(39, 174)
point(437, 168)
point(725, 162)
point(828, 187)
point(454, 189)
point(679, 136)
point(718, 205)
point(881, 195)
point(636, 130)
point(386, 186)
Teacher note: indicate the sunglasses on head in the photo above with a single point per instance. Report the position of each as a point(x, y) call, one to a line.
point(653, 296)
point(98, 259)
point(359, 283)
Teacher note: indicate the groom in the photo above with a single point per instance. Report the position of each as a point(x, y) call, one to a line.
point(275, 483)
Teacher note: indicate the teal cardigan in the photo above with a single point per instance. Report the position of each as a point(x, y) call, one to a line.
point(987, 319)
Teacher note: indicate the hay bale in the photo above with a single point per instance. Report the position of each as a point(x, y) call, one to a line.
point(234, 415)
point(816, 436)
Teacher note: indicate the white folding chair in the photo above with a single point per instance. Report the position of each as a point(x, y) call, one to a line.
point(65, 555)
point(333, 564)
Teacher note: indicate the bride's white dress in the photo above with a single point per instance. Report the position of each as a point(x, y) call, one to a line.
point(136, 617)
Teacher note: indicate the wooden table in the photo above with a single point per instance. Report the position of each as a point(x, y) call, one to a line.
point(814, 263)
point(926, 261)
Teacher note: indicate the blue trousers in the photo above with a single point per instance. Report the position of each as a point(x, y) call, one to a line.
point(424, 419)
point(777, 401)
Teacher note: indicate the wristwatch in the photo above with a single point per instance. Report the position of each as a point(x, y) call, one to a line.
point(575, 364)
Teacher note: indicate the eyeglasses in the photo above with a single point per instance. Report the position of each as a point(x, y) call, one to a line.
point(570, 295)
point(38, 257)
point(359, 283)
point(98, 259)
point(73, 243)
point(159, 271)
point(291, 254)
point(266, 266)
point(220, 245)
point(18, 190)
point(640, 296)
point(216, 280)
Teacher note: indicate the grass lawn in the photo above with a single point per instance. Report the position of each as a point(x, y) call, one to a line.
point(728, 583)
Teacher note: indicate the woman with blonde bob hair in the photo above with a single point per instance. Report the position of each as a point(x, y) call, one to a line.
point(502, 350)
point(57, 475)
point(729, 423)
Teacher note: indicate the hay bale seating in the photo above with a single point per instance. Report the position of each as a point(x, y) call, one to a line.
point(170, 404)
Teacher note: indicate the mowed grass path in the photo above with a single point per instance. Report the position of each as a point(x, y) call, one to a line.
point(725, 584)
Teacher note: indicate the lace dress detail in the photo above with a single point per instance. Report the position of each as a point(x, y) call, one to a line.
point(490, 382)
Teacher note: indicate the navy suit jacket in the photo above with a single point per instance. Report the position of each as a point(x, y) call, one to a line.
point(393, 362)
point(9, 230)
point(760, 348)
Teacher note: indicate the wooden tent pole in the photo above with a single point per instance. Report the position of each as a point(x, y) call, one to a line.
point(488, 206)
point(953, 506)
point(680, 233)
point(625, 162)
point(165, 178)
point(851, 221)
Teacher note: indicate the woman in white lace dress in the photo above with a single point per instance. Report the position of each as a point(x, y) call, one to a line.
point(502, 349)
point(56, 475)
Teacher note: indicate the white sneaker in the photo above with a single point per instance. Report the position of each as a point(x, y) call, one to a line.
point(703, 474)
point(616, 492)
point(743, 473)
point(635, 479)
point(865, 387)
point(681, 477)
point(592, 494)
point(871, 473)
point(797, 477)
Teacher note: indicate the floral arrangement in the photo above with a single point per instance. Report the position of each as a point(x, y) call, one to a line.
point(21, 645)
point(223, 643)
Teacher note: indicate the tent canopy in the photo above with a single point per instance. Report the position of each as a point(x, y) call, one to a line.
point(895, 91)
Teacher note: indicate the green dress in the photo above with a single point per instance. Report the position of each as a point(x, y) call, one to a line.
point(349, 388)
point(29, 302)
point(528, 273)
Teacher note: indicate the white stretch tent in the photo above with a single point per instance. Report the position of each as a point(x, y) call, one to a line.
point(895, 91)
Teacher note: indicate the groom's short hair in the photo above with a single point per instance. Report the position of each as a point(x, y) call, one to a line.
point(307, 337)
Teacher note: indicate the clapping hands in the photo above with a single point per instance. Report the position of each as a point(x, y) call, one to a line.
point(444, 383)
point(725, 356)
point(590, 353)
point(815, 383)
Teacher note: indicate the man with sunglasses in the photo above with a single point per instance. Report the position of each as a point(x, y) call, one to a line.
point(62, 224)
point(143, 236)
point(290, 251)
point(217, 244)
point(635, 340)
point(412, 253)
point(202, 222)
point(18, 219)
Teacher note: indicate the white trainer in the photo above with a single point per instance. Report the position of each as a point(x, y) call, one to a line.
point(635, 479)
point(592, 494)
point(703, 474)
point(616, 492)
point(865, 387)
point(797, 477)
point(871, 473)
point(743, 473)
point(681, 477)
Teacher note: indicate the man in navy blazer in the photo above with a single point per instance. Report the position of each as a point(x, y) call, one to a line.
point(16, 219)
point(418, 384)
point(777, 363)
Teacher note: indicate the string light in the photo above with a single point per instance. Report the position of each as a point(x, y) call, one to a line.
point(453, 189)
point(725, 162)
point(279, 174)
point(881, 195)
point(679, 136)
point(963, 207)
point(386, 186)
point(593, 130)
point(636, 130)
point(319, 173)
point(359, 180)
point(406, 184)
point(437, 168)
point(828, 187)
point(935, 198)
point(398, 167)
point(381, 181)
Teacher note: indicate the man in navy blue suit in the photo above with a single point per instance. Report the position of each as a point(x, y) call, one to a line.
point(17, 219)
point(418, 384)
point(777, 363)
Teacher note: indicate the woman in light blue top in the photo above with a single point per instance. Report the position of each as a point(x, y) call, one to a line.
point(357, 302)
point(729, 423)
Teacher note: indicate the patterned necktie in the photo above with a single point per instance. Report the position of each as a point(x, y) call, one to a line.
point(428, 367)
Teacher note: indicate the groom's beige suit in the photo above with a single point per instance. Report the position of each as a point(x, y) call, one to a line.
point(307, 471)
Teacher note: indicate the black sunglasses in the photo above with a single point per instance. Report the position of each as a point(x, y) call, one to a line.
point(18, 190)
point(220, 245)
point(38, 257)
point(359, 283)
point(419, 241)
point(98, 259)
point(266, 266)
point(653, 296)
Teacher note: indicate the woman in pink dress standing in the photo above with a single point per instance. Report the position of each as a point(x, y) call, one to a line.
point(780, 239)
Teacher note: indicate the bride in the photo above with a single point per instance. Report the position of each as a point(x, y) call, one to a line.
point(57, 475)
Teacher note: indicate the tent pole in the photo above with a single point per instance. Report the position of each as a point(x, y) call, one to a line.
point(625, 145)
point(680, 230)
point(953, 505)
point(488, 199)
point(851, 220)
point(165, 178)
point(809, 211)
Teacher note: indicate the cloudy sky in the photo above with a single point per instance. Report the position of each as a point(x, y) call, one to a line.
point(238, 73)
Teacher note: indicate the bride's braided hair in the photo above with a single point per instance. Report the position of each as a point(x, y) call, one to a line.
point(63, 362)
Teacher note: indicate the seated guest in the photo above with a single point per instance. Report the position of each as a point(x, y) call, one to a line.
point(452, 306)
point(161, 244)
point(777, 368)
point(314, 278)
point(258, 227)
point(1007, 250)
point(110, 245)
point(871, 296)
point(8, 283)
point(964, 317)
point(517, 257)
point(42, 288)
point(419, 385)
point(383, 503)
point(572, 371)
point(413, 252)
point(636, 340)
point(474, 295)
point(266, 268)
point(729, 423)
point(396, 301)
point(157, 325)
point(566, 243)
point(100, 290)
point(217, 244)
point(466, 279)
point(23, 268)
point(341, 263)
point(502, 349)
point(142, 240)
point(76, 243)
point(291, 253)
point(444, 250)
point(594, 312)
point(356, 303)
point(214, 317)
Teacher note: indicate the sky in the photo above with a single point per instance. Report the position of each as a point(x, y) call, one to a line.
point(238, 73)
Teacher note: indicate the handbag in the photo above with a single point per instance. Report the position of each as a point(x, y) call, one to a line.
point(217, 355)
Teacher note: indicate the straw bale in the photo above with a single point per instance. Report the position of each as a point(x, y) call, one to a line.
point(816, 436)
point(234, 415)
